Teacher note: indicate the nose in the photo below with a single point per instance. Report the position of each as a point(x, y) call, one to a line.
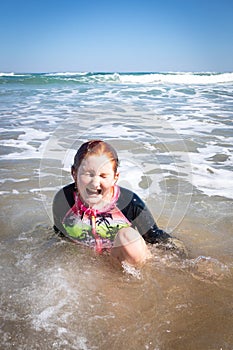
point(96, 181)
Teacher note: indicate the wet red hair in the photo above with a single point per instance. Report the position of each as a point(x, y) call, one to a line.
point(98, 148)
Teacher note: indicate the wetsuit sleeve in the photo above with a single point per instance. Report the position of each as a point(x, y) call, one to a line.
point(62, 202)
point(141, 218)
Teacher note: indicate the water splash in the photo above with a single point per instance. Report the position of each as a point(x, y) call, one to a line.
point(206, 268)
point(131, 270)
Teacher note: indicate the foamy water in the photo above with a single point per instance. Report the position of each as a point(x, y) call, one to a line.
point(173, 133)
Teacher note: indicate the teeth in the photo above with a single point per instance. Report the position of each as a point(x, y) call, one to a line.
point(94, 191)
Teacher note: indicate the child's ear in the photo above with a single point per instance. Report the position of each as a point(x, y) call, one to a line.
point(116, 177)
point(73, 173)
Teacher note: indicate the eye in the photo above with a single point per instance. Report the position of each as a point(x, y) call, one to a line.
point(104, 176)
point(87, 173)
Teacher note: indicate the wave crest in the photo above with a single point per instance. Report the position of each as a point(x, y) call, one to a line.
point(178, 78)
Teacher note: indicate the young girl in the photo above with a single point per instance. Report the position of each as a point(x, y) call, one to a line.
point(98, 213)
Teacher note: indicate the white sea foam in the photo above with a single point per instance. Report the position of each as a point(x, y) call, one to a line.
point(64, 74)
point(13, 180)
point(12, 74)
point(23, 143)
point(176, 78)
point(187, 78)
point(44, 189)
point(6, 74)
point(4, 192)
point(210, 180)
point(185, 125)
point(165, 114)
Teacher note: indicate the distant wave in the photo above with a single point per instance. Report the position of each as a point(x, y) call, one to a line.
point(64, 74)
point(181, 78)
point(177, 78)
point(12, 74)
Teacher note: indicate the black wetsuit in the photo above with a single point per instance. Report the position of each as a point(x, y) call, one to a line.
point(128, 205)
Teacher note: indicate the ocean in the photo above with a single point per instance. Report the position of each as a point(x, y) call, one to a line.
point(174, 137)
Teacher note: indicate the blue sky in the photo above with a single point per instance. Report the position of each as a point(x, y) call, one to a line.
point(116, 35)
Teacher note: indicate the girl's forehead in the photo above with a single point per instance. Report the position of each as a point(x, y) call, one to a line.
point(97, 162)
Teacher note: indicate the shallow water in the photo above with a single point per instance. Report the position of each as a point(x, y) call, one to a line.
point(56, 295)
point(174, 141)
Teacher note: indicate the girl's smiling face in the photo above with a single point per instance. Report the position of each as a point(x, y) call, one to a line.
point(95, 179)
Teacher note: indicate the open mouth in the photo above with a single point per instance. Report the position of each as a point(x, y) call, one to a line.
point(93, 192)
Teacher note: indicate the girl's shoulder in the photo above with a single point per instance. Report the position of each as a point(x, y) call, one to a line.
point(129, 198)
point(65, 193)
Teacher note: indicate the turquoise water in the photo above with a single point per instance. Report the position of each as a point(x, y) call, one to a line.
point(173, 133)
